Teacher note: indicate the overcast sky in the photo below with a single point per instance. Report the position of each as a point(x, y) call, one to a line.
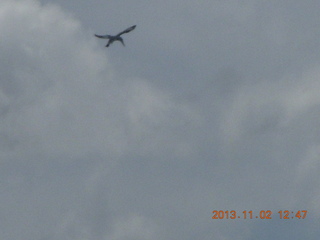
point(212, 105)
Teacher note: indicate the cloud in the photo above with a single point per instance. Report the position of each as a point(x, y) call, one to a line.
point(65, 118)
point(60, 91)
point(88, 151)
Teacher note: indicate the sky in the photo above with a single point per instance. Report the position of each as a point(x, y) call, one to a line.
point(211, 106)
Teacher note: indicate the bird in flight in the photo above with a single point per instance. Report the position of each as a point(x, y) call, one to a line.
point(116, 37)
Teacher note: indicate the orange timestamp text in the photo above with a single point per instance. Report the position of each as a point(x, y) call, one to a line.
point(263, 214)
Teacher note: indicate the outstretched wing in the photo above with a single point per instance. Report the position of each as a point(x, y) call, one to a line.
point(103, 36)
point(127, 30)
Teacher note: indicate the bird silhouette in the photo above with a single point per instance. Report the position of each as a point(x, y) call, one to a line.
point(116, 37)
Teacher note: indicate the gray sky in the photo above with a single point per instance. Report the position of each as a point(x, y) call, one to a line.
point(212, 105)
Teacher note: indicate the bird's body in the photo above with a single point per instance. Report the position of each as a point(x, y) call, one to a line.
point(116, 37)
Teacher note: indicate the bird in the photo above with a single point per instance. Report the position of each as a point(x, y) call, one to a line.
point(116, 37)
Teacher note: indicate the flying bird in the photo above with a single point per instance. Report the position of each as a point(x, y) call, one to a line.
point(116, 37)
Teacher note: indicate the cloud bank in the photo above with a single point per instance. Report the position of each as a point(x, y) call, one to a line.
point(87, 154)
point(65, 120)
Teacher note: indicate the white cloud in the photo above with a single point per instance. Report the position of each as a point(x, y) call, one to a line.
point(271, 104)
point(88, 154)
point(62, 109)
point(133, 227)
point(60, 95)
